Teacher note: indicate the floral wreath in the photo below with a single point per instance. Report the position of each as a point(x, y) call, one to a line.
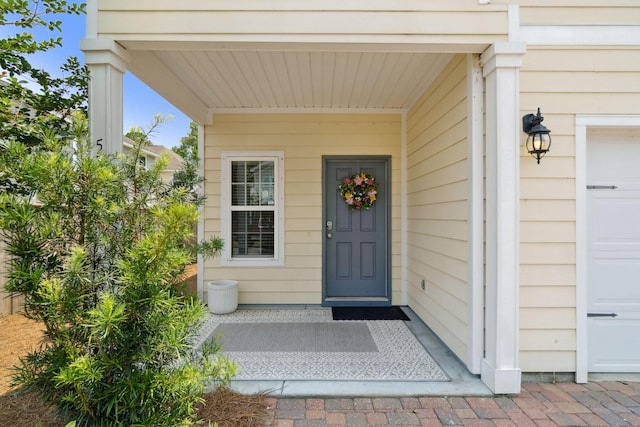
point(359, 191)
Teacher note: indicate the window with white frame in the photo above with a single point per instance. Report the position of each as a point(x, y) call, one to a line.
point(252, 211)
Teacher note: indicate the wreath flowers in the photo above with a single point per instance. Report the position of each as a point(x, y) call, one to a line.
point(359, 191)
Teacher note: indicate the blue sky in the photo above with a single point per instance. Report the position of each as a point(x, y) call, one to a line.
point(140, 102)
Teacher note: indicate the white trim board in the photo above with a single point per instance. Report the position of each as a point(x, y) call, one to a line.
point(307, 110)
point(475, 212)
point(404, 227)
point(583, 123)
point(227, 259)
point(580, 35)
point(201, 213)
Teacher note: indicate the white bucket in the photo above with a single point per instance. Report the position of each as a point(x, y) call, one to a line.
point(222, 296)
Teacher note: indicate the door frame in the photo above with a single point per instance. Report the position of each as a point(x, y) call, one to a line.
point(583, 123)
point(365, 301)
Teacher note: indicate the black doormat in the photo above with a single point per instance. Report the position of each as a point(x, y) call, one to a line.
point(368, 313)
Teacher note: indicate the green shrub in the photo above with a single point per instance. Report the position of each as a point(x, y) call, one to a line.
point(97, 247)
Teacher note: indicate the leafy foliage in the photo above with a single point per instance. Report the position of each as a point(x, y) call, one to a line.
point(188, 148)
point(49, 100)
point(142, 136)
point(188, 178)
point(97, 246)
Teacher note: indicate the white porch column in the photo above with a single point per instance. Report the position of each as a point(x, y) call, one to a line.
point(501, 67)
point(107, 63)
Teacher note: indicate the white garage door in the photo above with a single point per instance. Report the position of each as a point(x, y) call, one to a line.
point(613, 221)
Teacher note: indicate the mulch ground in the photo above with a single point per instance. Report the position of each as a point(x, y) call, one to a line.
point(19, 336)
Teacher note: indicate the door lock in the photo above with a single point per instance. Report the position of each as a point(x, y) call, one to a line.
point(329, 225)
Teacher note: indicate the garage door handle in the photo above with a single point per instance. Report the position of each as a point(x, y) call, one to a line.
point(601, 187)
point(602, 314)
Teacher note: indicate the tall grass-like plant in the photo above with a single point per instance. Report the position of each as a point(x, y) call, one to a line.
point(97, 247)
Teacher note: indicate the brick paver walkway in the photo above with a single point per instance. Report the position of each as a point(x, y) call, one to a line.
point(539, 405)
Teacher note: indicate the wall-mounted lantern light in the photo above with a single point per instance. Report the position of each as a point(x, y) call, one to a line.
point(539, 139)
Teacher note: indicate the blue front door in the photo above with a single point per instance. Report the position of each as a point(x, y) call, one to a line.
point(356, 242)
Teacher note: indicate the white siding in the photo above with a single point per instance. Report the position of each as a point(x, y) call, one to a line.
point(577, 12)
point(403, 21)
point(437, 206)
point(563, 82)
point(304, 138)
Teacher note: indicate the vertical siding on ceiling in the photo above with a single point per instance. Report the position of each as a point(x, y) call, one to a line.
point(304, 138)
point(563, 82)
point(437, 206)
point(279, 79)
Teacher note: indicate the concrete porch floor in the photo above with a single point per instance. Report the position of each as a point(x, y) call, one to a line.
point(462, 382)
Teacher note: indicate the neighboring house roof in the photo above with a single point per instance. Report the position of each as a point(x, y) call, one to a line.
point(155, 152)
point(175, 160)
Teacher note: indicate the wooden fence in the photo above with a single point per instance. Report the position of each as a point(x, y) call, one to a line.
point(8, 304)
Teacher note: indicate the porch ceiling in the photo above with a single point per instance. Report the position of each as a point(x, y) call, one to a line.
point(202, 82)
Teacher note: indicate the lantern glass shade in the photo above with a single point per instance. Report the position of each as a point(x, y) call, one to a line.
point(538, 144)
point(539, 139)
